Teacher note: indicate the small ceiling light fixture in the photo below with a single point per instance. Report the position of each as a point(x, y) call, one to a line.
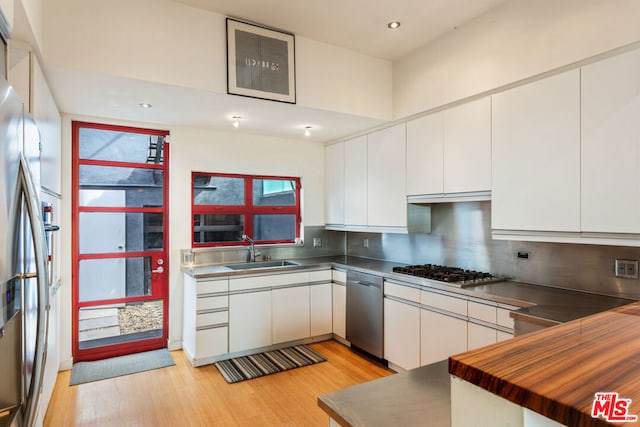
point(145, 105)
point(307, 131)
point(393, 25)
point(236, 121)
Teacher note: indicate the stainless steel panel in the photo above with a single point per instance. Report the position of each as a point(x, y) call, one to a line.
point(10, 144)
point(364, 318)
point(461, 237)
point(10, 372)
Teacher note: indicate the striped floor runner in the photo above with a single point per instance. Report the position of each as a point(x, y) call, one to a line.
point(257, 365)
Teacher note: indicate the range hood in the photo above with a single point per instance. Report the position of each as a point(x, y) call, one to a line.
point(471, 196)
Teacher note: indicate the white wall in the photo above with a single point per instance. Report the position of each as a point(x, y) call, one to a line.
point(167, 42)
point(517, 40)
point(202, 150)
point(232, 152)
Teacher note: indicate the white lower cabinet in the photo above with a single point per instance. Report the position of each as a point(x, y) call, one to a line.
point(320, 309)
point(206, 317)
point(250, 321)
point(212, 342)
point(441, 336)
point(401, 334)
point(290, 314)
point(339, 303)
point(426, 326)
point(480, 335)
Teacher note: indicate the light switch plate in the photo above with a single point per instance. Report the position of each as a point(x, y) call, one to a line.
point(317, 242)
point(627, 268)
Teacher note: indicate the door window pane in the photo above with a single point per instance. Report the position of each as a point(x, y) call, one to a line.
point(112, 232)
point(107, 145)
point(274, 192)
point(113, 278)
point(118, 323)
point(120, 187)
point(218, 228)
point(274, 227)
point(218, 190)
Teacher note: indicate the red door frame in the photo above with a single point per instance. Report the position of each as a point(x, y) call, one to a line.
point(159, 286)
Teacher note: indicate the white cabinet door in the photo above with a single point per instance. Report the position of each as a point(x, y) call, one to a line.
point(536, 155)
point(355, 181)
point(46, 114)
point(386, 183)
point(611, 145)
point(401, 334)
point(441, 336)
point(290, 314)
point(467, 147)
point(339, 307)
point(249, 321)
point(321, 315)
point(479, 336)
point(334, 183)
point(425, 155)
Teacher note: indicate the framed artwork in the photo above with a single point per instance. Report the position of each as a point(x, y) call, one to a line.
point(260, 62)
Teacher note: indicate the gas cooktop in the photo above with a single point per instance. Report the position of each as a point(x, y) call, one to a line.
point(451, 275)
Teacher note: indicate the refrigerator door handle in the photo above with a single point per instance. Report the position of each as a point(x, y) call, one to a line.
point(39, 242)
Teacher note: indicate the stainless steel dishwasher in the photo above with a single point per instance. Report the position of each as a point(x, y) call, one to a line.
point(364, 312)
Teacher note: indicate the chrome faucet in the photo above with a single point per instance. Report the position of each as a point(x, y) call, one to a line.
point(252, 249)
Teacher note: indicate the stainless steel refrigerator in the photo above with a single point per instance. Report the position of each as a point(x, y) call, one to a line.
point(23, 265)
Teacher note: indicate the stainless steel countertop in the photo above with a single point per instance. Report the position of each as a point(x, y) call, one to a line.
point(546, 303)
point(420, 396)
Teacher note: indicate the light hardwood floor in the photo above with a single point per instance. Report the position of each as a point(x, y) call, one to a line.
point(184, 396)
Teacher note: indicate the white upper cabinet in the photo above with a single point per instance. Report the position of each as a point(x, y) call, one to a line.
point(425, 163)
point(536, 155)
point(449, 153)
point(386, 183)
point(334, 184)
point(611, 145)
point(355, 181)
point(467, 147)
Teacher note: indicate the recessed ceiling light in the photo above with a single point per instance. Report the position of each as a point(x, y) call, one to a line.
point(307, 131)
point(236, 121)
point(393, 24)
point(145, 105)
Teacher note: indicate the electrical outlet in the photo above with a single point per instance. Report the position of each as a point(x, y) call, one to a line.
point(317, 242)
point(627, 268)
point(365, 243)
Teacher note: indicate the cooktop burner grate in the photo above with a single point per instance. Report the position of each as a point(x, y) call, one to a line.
point(447, 274)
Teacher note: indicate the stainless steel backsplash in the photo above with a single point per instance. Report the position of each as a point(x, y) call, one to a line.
point(461, 236)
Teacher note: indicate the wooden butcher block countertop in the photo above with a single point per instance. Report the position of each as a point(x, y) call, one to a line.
point(557, 371)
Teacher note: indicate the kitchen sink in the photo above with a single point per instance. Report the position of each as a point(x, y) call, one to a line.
point(263, 264)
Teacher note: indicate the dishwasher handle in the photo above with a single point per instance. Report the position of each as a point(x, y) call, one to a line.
point(369, 281)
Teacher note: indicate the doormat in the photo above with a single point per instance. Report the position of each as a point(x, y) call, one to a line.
point(86, 372)
point(257, 365)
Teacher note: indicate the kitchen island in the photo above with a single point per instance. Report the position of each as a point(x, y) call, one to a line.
point(554, 372)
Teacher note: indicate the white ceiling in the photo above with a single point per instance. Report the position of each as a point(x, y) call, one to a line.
point(358, 25)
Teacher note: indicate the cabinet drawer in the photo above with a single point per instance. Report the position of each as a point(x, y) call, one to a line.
point(212, 342)
point(404, 292)
point(339, 276)
point(444, 302)
point(503, 318)
point(481, 311)
point(215, 318)
point(207, 303)
point(211, 286)
point(320, 276)
point(268, 281)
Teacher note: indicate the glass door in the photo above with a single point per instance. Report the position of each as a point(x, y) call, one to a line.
point(120, 240)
